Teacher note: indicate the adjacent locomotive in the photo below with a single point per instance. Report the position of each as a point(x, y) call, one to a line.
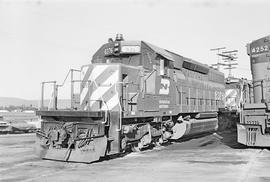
point(237, 92)
point(132, 95)
point(254, 126)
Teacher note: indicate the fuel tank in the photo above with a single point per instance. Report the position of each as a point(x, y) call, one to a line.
point(194, 127)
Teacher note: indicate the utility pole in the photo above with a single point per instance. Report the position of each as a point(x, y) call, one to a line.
point(218, 63)
point(229, 58)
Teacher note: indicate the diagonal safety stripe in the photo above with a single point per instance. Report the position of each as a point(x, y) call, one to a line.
point(96, 72)
point(231, 102)
point(114, 101)
point(101, 90)
point(84, 94)
point(110, 93)
point(104, 76)
point(93, 73)
point(98, 81)
point(106, 96)
point(228, 92)
point(86, 71)
point(231, 93)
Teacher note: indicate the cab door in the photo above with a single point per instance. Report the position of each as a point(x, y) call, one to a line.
point(149, 97)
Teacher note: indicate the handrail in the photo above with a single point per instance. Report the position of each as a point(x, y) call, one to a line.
point(116, 92)
point(154, 70)
point(131, 83)
point(65, 79)
point(55, 90)
point(50, 101)
point(69, 72)
point(120, 113)
point(48, 82)
point(42, 93)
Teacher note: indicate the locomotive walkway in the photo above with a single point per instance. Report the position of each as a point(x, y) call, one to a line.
point(215, 157)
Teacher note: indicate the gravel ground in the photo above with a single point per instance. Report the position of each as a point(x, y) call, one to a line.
point(213, 157)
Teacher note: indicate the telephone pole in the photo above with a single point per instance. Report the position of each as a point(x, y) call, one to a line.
point(230, 60)
point(218, 64)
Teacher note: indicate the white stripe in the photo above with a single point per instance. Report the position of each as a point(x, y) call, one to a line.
point(231, 102)
point(84, 93)
point(111, 103)
point(97, 71)
point(231, 91)
point(85, 89)
point(100, 91)
point(83, 71)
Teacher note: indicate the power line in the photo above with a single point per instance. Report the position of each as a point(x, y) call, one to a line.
point(217, 49)
point(230, 60)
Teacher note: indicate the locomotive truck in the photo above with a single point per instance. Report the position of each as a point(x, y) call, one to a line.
point(254, 126)
point(132, 95)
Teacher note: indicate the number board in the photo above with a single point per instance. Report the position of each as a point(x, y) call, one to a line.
point(108, 51)
point(259, 49)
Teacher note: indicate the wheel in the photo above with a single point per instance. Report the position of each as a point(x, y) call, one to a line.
point(137, 147)
point(159, 141)
point(123, 144)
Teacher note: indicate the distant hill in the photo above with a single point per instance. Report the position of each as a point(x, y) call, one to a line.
point(8, 101)
point(12, 101)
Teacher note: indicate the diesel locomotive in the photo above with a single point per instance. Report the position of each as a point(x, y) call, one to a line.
point(132, 95)
point(254, 126)
point(237, 92)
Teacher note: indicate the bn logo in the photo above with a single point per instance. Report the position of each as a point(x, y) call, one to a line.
point(164, 86)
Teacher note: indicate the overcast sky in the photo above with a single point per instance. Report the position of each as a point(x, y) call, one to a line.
point(41, 40)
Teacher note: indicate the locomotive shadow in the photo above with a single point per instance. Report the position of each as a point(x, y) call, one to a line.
point(204, 140)
point(226, 138)
point(229, 138)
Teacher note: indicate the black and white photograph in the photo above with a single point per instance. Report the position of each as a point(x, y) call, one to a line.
point(134, 90)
